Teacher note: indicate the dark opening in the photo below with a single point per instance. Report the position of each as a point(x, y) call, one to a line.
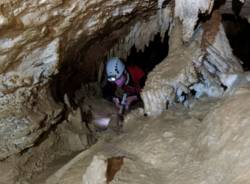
point(193, 92)
point(237, 30)
point(218, 4)
point(71, 74)
point(153, 54)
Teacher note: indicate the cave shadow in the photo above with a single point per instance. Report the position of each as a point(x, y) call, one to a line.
point(153, 54)
point(238, 33)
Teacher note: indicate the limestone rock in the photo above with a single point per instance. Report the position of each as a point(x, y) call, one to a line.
point(142, 33)
point(174, 73)
point(96, 171)
point(191, 67)
point(175, 147)
point(188, 11)
point(36, 37)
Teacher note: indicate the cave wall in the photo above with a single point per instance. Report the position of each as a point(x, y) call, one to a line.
point(36, 37)
point(199, 66)
point(188, 11)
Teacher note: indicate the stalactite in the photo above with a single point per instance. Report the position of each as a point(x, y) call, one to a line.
point(189, 67)
point(188, 11)
point(142, 33)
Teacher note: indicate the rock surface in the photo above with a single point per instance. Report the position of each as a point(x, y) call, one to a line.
point(35, 38)
point(38, 37)
point(25, 115)
point(207, 144)
point(188, 11)
point(194, 66)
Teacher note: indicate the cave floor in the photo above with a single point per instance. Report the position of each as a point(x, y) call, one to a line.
point(180, 146)
point(176, 127)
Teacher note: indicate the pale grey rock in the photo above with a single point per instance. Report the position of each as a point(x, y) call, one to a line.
point(14, 135)
point(74, 141)
point(188, 11)
point(24, 118)
point(35, 67)
point(220, 54)
point(4, 21)
point(96, 171)
point(236, 82)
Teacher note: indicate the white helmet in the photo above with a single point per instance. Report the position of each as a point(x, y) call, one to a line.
point(114, 68)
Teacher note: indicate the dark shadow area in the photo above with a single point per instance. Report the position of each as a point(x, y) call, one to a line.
point(218, 4)
point(238, 33)
point(237, 6)
point(152, 55)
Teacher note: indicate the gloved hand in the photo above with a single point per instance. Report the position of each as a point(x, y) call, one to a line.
point(117, 102)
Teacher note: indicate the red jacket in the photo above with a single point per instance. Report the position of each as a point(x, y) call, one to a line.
point(134, 84)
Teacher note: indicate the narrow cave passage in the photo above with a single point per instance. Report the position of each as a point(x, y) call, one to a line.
point(49, 134)
point(237, 30)
point(152, 55)
point(72, 75)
